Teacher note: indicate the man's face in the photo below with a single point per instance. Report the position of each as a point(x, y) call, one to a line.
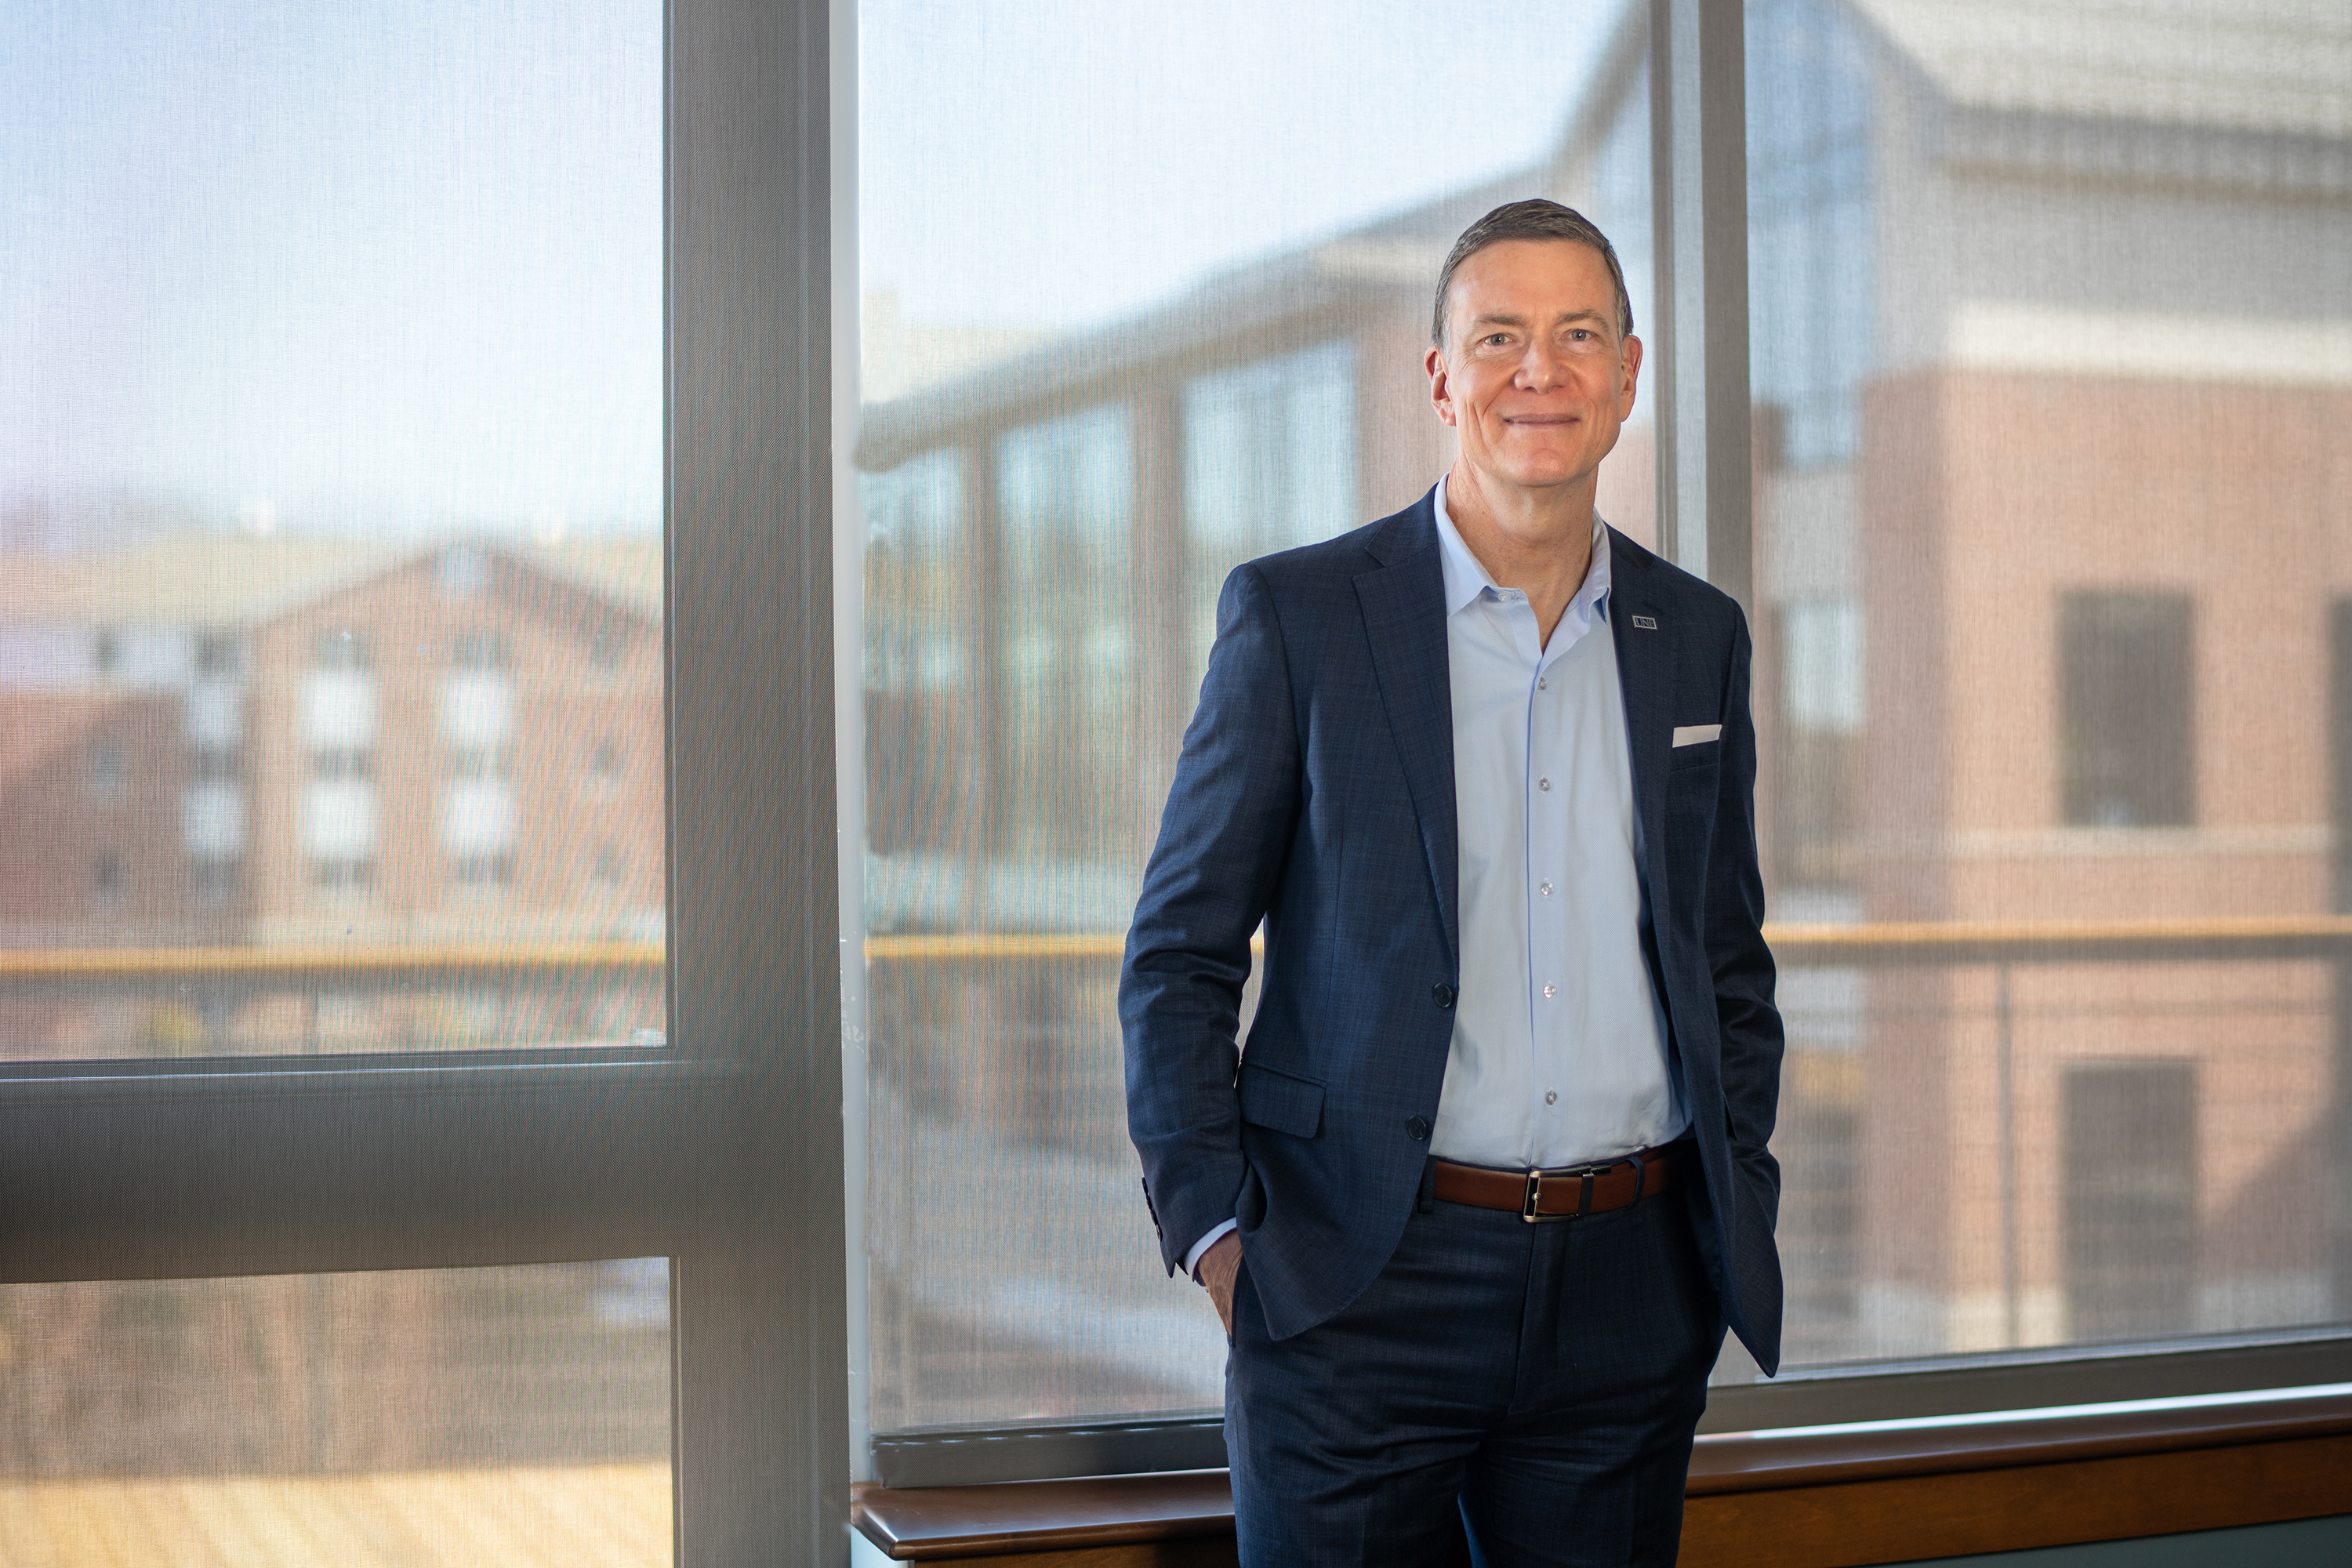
point(1533, 373)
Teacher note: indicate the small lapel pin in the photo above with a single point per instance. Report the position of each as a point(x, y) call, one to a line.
point(1647, 623)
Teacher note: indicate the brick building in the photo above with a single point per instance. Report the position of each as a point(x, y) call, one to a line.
point(226, 740)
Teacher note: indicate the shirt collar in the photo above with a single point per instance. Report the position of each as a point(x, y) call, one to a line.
point(1465, 579)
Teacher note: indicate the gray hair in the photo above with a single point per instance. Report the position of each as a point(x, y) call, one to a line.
point(1533, 218)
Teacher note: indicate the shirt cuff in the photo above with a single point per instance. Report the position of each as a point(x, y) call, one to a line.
point(1192, 1259)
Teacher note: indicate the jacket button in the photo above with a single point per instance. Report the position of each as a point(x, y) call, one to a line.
point(1442, 993)
point(1417, 1129)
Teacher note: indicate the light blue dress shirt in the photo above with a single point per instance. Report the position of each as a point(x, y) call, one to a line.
point(1558, 1054)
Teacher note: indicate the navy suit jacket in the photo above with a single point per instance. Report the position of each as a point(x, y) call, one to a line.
point(1316, 791)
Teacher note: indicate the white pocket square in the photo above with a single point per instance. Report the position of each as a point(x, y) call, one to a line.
point(1696, 734)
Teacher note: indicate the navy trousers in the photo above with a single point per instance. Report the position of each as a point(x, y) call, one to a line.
point(1536, 1386)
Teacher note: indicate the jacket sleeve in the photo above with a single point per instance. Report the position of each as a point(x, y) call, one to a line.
point(1214, 874)
point(1748, 1021)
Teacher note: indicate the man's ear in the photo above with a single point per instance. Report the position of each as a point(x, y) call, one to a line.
point(1441, 392)
point(1630, 364)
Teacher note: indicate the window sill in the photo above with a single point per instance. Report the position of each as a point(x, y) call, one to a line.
point(1807, 1500)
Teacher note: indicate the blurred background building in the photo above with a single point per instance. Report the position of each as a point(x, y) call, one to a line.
point(2052, 339)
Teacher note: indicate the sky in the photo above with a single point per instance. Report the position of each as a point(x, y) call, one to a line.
point(395, 265)
point(1058, 162)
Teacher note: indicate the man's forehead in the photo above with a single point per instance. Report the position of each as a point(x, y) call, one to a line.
point(1537, 275)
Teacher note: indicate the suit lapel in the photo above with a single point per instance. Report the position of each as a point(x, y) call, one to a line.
point(1646, 674)
point(1404, 604)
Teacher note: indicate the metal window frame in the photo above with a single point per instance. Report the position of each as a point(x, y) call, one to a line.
point(724, 1152)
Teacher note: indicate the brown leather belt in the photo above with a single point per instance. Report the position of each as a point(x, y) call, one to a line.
point(1569, 1194)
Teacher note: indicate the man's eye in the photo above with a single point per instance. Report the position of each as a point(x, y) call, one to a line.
point(1499, 338)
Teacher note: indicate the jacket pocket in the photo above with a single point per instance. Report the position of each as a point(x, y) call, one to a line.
point(1277, 1100)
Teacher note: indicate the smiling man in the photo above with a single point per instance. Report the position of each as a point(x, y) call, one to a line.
point(1478, 1198)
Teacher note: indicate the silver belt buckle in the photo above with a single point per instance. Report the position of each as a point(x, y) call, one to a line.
point(1583, 1197)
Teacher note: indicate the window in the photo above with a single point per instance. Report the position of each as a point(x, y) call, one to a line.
point(334, 765)
point(925, 766)
point(2127, 754)
point(214, 764)
point(1988, 589)
point(1815, 785)
point(342, 873)
point(1269, 463)
point(2131, 1199)
point(2339, 746)
point(216, 879)
point(216, 653)
point(340, 394)
point(1070, 435)
point(482, 872)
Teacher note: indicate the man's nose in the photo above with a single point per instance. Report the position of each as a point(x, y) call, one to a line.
point(1540, 369)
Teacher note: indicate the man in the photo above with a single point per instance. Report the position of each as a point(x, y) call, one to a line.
point(1485, 770)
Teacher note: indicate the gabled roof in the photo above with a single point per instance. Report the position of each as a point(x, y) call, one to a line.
point(222, 579)
point(2277, 66)
point(1402, 251)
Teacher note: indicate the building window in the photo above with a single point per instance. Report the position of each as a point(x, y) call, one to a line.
point(2339, 746)
point(604, 768)
point(924, 747)
point(106, 773)
point(106, 650)
point(342, 874)
point(1067, 497)
point(2126, 751)
point(106, 879)
point(215, 765)
point(606, 651)
point(216, 653)
point(482, 872)
point(1816, 782)
point(215, 882)
point(340, 649)
point(1813, 289)
point(2131, 1198)
point(1269, 464)
point(341, 764)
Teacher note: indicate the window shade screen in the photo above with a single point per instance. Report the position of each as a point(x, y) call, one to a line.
point(2052, 337)
point(331, 509)
point(1144, 294)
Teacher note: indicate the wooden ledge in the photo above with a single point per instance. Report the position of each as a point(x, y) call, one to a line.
point(1766, 1461)
point(950, 1523)
point(921, 1523)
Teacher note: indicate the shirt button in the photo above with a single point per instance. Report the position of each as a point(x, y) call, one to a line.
point(1550, 992)
point(1417, 1129)
point(1442, 993)
point(1542, 684)
point(1551, 1097)
point(1543, 784)
point(1545, 888)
